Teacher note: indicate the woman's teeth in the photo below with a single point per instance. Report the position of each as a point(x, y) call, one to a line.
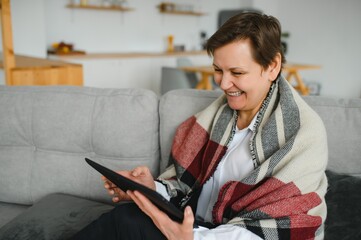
point(235, 94)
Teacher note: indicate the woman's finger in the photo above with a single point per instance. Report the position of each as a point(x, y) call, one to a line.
point(140, 170)
point(188, 218)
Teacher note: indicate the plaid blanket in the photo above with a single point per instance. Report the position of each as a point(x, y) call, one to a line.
point(283, 197)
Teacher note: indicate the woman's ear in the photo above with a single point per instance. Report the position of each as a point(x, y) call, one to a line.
point(275, 67)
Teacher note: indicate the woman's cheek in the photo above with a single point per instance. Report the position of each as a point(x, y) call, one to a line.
point(217, 79)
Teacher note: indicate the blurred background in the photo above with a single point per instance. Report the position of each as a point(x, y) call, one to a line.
point(325, 33)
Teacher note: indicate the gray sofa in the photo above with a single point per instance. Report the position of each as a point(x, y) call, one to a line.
point(47, 191)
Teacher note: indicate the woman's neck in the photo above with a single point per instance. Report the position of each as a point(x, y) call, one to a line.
point(244, 119)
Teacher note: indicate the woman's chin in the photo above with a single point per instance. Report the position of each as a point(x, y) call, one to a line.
point(236, 101)
point(236, 105)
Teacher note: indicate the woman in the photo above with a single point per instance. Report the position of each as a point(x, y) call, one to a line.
point(251, 164)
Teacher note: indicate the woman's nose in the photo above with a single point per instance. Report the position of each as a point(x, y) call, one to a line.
point(225, 82)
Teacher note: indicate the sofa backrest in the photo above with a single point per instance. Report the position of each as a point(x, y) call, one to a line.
point(45, 133)
point(342, 119)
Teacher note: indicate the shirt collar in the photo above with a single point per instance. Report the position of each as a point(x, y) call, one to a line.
point(252, 125)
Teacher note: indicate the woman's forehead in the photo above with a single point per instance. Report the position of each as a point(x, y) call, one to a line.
point(237, 51)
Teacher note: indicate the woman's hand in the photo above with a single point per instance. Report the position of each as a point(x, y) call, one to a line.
point(170, 229)
point(140, 175)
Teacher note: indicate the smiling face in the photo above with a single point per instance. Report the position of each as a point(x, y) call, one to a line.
point(242, 79)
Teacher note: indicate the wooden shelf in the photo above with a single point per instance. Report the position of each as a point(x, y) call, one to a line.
point(115, 55)
point(182, 12)
point(23, 62)
point(95, 7)
point(178, 9)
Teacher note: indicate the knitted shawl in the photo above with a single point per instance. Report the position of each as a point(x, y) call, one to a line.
point(283, 197)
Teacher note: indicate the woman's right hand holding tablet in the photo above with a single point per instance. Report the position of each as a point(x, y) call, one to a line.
point(140, 175)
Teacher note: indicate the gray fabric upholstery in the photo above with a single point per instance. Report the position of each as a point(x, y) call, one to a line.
point(46, 132)
point(9, 211)
point(56, 216)
point(342, 119)
point(174, 78)
point(343, 201)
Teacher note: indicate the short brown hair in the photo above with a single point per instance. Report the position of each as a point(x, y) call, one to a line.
point(262, 30)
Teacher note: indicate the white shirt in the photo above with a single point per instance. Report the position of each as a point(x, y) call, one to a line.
point(235, 165)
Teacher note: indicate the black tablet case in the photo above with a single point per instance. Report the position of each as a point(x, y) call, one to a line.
point(126, 184)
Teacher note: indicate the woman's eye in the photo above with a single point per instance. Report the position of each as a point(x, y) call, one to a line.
point(237, 73)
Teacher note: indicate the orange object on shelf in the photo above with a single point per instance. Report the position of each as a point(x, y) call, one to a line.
point(170, 40)
point(63, 48)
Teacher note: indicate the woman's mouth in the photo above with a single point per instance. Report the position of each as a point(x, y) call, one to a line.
point(235, 94)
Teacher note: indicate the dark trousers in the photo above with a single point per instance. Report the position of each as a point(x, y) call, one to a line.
point(125, 221)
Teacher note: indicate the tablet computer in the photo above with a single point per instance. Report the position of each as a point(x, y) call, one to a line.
point(126, 184)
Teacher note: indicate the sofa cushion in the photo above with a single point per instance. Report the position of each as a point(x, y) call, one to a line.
point(56, 216)
point(343, 201)
point(342, 121)
point(9, 211)
point(45, 133)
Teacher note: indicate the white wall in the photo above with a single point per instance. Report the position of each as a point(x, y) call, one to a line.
point(324, 32)
point(143, 29)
